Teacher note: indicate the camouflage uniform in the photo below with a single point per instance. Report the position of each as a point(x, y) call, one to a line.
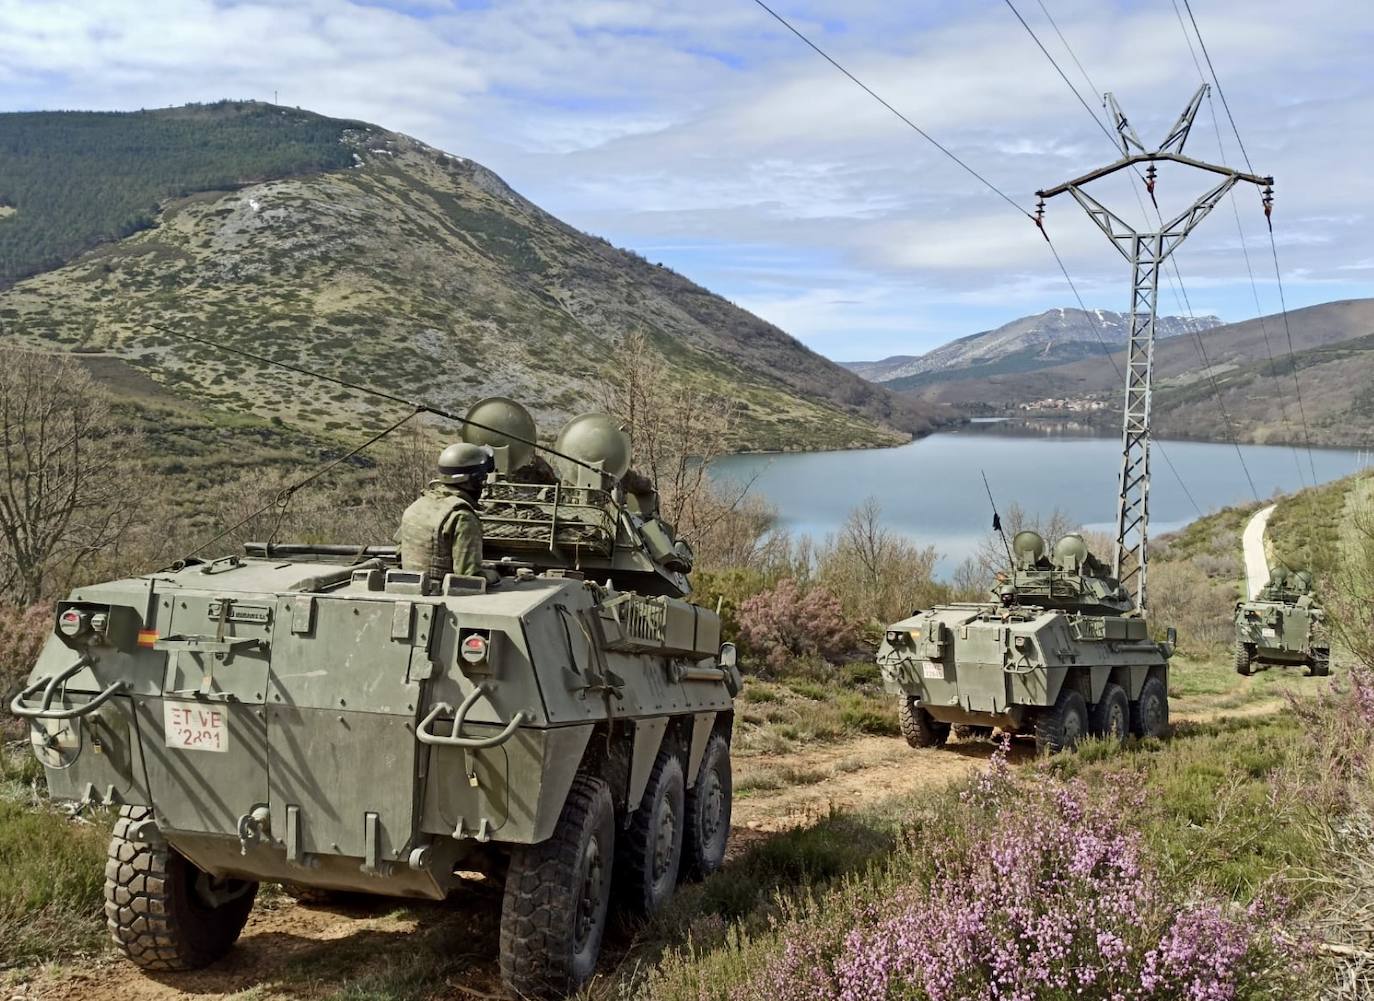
point(441, 533)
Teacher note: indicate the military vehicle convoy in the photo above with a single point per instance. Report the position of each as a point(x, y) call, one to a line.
point(317, 716)
point(1283, 626)
point(1060, 652)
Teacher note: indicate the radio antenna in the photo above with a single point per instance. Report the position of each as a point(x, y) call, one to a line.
point(997, 522)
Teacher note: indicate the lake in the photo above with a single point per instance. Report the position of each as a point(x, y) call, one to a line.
point(931, 490)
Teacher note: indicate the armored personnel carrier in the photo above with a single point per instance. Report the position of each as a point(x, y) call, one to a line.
point(317, 716)
point(1060, 652)
point(1283, 625)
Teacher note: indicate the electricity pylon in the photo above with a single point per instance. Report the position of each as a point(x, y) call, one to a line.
point(1147, 253)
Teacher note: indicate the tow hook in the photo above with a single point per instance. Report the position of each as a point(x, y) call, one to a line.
point(254, 826)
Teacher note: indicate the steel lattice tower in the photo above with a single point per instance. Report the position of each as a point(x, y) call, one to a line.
point(1146, 253)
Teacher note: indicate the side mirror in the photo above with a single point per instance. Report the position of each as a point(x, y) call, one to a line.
point(1171, 636)
point(729, 656)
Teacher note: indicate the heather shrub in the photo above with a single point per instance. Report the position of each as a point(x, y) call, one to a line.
point(727, 590)
point(1023, 891)
point(786, 623)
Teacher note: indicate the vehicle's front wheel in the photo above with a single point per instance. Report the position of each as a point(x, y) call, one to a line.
point(709, 805)
point(557, 894)
point(1150, 714)
point(1111, 715)
point(163, 912)
point(918, 727)
point(1320, 662)
point(1244, 659)
point(649, 852)
point(1062, 726)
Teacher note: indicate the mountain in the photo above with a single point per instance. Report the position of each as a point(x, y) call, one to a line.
point(1054, 337)
point(1333, 352)
point(366, 255)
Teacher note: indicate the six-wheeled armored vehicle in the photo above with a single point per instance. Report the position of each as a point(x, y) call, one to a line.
point(1283, 625)
point(318, 716)
point(1059, 652)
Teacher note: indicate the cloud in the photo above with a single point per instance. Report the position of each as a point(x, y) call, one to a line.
point(707, 136)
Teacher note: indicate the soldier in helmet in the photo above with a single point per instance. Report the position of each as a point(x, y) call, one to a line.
point(440, 532)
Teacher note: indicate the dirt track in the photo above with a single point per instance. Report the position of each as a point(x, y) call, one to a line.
point(341, 944)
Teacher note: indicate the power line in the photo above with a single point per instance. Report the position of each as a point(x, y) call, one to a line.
point(1180, 290)
point(873, 94)
point(1111, 357)
point(996, 190)
point(1273, 245)
point(1244, 244)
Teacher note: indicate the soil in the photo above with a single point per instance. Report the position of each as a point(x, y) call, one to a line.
point(340, 943)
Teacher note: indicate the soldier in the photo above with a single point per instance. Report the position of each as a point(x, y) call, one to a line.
point(440, 532)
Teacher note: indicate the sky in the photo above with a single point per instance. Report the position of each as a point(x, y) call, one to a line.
point(704, 135)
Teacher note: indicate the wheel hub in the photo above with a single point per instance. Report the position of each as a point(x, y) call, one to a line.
point(713, 799)
point(665, 839)
point(589, 897)
point(1116, 722)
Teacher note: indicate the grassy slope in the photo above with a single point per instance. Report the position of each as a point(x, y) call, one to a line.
point(424, 275)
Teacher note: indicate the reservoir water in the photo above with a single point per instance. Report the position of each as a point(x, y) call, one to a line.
point(931, 490)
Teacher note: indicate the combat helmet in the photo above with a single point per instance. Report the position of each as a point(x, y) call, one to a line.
point(464, 464)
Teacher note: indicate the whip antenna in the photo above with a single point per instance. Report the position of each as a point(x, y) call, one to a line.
point(997, 522)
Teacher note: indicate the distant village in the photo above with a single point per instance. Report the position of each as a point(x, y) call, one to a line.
point(1063, 405)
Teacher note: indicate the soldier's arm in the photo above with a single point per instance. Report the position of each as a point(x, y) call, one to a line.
point(467, 544)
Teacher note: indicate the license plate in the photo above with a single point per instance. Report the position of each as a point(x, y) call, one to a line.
point(935, 672)
point(193, 727)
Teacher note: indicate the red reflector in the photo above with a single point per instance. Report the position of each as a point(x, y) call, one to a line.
point(475, 648)
point(147, 637)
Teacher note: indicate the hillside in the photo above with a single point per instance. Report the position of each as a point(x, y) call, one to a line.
point(70, 180)
point(1333, 348)
point(412, 270)
point(1054, 337)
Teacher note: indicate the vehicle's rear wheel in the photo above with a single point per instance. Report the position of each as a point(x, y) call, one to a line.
point(557, 895)
point(1111, 715)
point(1060, 727)
point(1150, 714)
point(649, 851)
point(1244, 659)
point(708, 808)
point(1320, 662)
point(163, 912)
point(918, 727)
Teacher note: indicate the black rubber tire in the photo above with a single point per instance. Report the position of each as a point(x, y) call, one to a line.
point(1244, 659)
point(1150, 712)
point(154, 906)
point(708, 808)
point(1319, 664)
point(648, 853)
point(918, 727)
point(1060, 727)
point(1110, 716)
point(557, 897)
